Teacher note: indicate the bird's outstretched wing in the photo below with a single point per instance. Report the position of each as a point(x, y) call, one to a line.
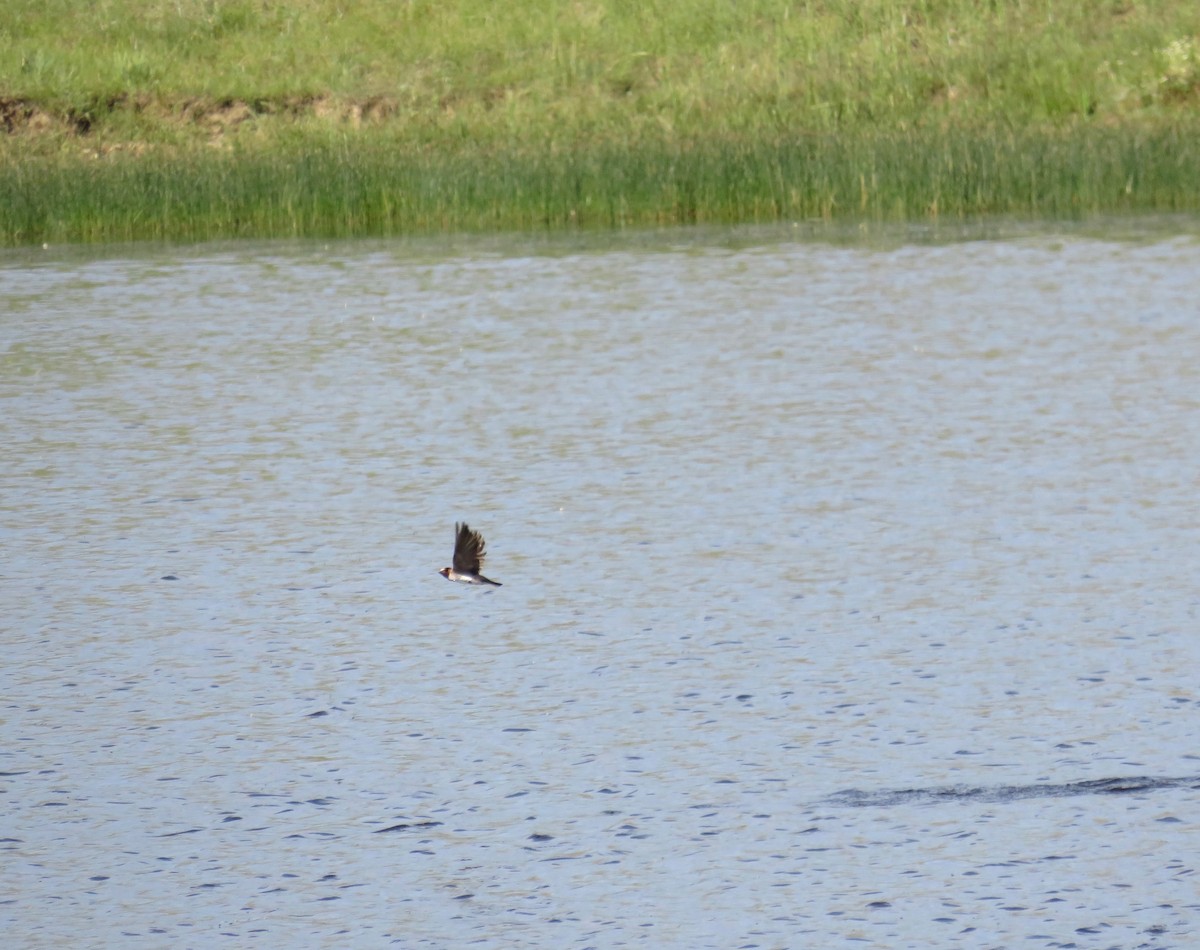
point(468, 550)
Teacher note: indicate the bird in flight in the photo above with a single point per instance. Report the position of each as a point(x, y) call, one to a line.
point(468, 556)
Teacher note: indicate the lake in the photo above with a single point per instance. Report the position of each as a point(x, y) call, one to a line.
point(850, 590)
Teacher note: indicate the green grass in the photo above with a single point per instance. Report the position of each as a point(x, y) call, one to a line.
point(208, 118)
point(363, 188)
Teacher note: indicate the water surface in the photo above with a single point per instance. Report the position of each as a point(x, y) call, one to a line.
point(842, 580)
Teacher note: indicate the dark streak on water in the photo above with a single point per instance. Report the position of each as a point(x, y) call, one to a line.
point(857, 798)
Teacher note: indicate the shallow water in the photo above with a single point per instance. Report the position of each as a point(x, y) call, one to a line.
point(839, 579)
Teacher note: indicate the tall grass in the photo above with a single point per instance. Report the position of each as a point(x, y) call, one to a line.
point(335, 190)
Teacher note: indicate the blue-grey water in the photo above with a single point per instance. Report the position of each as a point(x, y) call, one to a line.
point(850, 592)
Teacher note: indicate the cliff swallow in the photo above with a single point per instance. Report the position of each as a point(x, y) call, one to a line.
point(468, 555)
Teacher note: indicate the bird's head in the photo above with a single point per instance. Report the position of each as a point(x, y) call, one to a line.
point(445, 572)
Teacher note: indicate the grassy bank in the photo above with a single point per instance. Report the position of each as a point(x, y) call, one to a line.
point(201, 118)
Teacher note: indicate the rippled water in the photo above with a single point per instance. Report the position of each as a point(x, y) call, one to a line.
point(850, 593)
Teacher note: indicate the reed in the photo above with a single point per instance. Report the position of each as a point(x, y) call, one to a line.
point(366, 189)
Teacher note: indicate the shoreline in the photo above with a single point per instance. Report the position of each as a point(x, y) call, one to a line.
point(194, 120)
